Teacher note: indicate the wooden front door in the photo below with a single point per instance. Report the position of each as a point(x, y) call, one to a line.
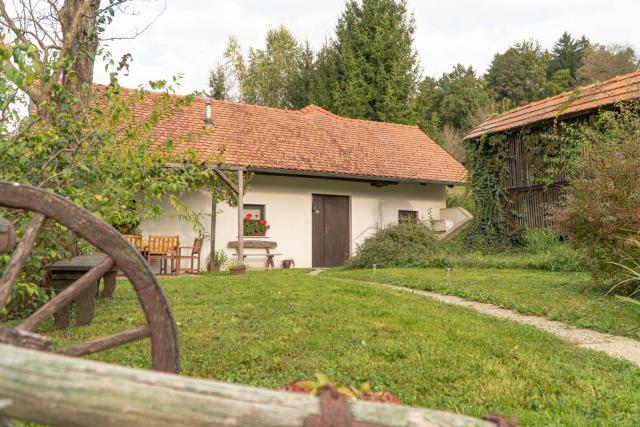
point(331, 230)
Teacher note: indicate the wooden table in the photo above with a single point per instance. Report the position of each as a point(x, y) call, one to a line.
point(67, 271)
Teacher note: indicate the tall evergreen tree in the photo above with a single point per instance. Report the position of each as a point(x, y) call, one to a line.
point(376, 64)
point(426, 106)
point(218, 82)
point(302, 80)
point(324, 77)
point(567, 54)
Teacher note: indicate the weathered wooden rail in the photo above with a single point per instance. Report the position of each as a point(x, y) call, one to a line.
point(59, 390)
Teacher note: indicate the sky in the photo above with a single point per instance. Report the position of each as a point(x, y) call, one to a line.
point(188, 37)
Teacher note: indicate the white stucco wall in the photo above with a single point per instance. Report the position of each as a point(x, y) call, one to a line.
point(288, 202)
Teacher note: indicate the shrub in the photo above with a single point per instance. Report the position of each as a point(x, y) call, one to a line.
point(406, 244)
point(601, 207)
point(25, 298)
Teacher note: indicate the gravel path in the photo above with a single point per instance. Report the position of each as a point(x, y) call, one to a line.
point(613, 345)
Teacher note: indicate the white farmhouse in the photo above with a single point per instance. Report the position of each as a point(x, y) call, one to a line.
point(322, 182)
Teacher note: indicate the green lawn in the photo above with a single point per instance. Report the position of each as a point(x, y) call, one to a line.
point(569, 297)
point(271, 328)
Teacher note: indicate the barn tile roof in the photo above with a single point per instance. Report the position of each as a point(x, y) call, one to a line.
point(310, 140)
point(585, 98)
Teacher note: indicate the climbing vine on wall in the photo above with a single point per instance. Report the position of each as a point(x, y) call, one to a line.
point(552, 152)
point(488, 169)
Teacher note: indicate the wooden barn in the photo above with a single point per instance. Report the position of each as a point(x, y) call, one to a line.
point(529, 202)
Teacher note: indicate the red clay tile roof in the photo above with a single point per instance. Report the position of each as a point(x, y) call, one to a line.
point(310, 140)
point(585, 98)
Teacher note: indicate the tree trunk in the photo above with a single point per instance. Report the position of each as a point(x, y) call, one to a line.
point(78, 20)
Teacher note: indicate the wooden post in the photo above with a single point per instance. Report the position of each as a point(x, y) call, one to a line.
point(240, 216)
point(57, 390)
point(214, 214)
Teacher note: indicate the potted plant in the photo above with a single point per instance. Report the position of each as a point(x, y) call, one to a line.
point(219, 258)
point(254, 227)
point(288, 263)
point(236, 267)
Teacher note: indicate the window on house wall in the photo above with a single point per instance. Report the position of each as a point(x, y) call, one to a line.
point(255, 221)
point(256, 211)
point(407, 216)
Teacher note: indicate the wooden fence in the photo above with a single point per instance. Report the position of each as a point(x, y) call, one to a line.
point(59, 390)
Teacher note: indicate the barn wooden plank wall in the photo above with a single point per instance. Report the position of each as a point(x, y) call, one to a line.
point(534, 206)
point(530, 203)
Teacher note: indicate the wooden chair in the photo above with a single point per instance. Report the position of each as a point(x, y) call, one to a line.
point(196, 249)
point(165, 249)
point(134, 239)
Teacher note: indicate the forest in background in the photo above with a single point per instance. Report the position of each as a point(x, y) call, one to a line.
point(370, 69)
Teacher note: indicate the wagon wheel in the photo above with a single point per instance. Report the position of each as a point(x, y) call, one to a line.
point(160, 327)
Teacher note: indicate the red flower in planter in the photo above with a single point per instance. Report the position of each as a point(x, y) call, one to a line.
point(255, 227)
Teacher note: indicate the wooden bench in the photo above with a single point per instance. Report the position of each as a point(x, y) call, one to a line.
point(67, 271)
point(257, 244)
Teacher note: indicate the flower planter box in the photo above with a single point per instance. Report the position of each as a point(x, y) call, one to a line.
point(255, 235)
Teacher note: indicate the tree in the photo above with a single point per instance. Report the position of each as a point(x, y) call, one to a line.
point(61, 39)
point(376, 65)
point(302, 82)
point(561, 81)
point(519, 75)
point(460, 96)
point(605, 62)
point(324, 77)
point(426, 106)
point(448, 108)
point(219, 82)
point(567, 55)
point(276, 76)
point(78, 133)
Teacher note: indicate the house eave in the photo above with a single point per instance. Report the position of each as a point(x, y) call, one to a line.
point(349, 177)
point(326, 175)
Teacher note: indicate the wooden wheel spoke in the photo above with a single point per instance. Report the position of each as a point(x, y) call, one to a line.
point(102, 344)
point(66, 296)
point(23, 339)
point(20, 256)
